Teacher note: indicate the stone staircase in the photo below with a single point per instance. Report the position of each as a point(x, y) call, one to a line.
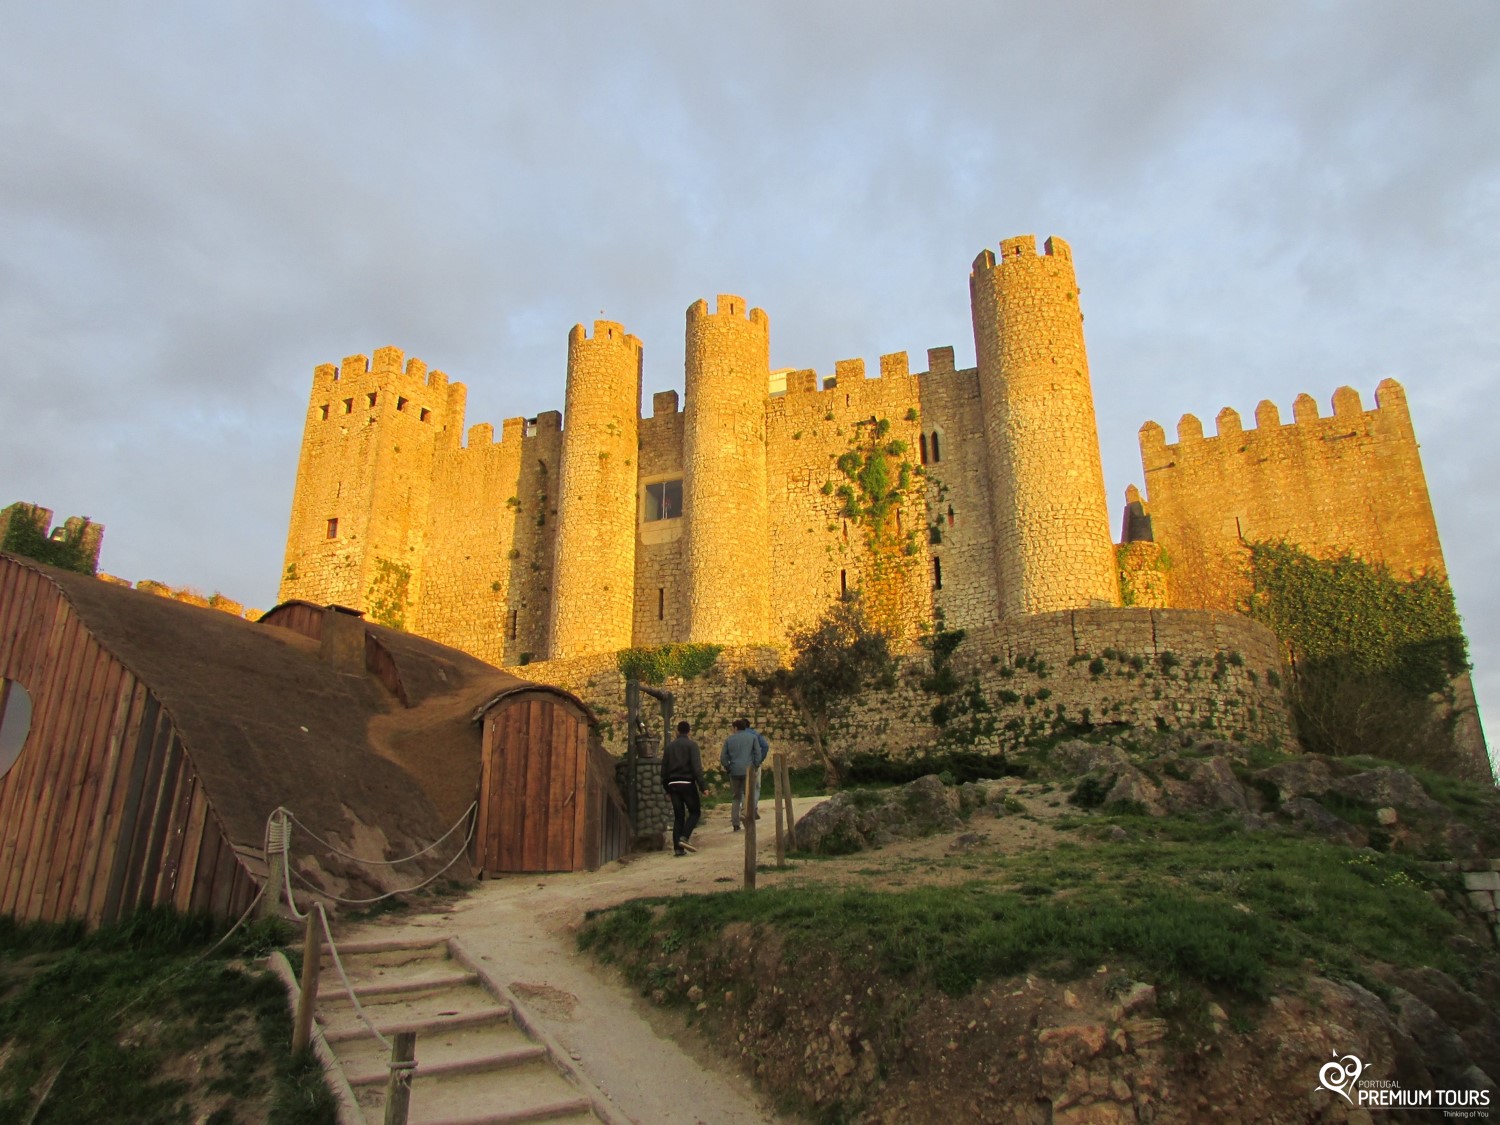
point(481, 1058)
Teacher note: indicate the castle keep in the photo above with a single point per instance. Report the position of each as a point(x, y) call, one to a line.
point(739, 514)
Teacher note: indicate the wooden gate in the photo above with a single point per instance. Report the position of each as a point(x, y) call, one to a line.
point(533, 788)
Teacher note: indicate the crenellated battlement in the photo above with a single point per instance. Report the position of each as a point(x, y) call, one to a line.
point(1021, 248)
point(605, 331)
point(1390, 408)
point(727, 306)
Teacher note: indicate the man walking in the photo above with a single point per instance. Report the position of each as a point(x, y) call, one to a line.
point(743, 749)
point(682, 778)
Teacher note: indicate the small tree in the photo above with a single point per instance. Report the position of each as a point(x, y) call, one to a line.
point(834, 661)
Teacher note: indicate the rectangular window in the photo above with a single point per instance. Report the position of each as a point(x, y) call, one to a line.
point(333, 529)
point(663, 500)
point(661, 603)
point(371, 398)
point(324, 410)
point(426, 414)
point(400, 403)
point(348, 406)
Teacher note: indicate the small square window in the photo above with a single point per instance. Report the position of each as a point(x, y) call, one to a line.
point(426, 414)
point(370, 398)
point(333, 529)
point(348, 406)
point(400, 403)
point(663, 500)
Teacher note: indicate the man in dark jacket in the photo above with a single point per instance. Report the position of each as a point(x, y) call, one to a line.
point(682, 778)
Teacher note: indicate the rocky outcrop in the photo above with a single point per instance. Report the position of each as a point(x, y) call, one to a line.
point(856, 819)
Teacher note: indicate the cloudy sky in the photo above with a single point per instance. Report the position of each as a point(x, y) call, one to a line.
point(200, 202)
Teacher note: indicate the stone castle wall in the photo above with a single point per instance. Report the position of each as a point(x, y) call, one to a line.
point(1218, 674)
point(1351, 482)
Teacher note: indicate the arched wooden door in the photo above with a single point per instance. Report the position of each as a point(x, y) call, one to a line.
point(533, 786)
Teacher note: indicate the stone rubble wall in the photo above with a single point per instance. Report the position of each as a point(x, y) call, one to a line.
point(1150, 670)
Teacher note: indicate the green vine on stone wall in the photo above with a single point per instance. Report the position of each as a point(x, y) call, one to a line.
point(1357, 613)
point(388, 593)
point(25, 538)
point(876, 477)
point(657, 665)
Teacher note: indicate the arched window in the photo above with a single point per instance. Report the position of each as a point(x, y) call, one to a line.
point(936, 454)
point(15, 722)
point(922, 441)
point(937, 574)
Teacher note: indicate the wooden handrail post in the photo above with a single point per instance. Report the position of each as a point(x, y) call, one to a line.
point(312, 966)
point(398, 1085)
point(752, 815)
point(786, 790)
point(778, 768)
point(270, 901)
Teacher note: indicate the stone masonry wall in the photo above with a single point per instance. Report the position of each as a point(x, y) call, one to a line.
point(1349, 482)
point(359, 510)
point(724, 499)
point(818, 552)
point(961, 537)
point(660, 563)
point(1147, 670)
point(593, 595)
point(1052, 537)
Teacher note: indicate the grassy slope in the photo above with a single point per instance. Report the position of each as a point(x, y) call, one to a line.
point(143, 1022)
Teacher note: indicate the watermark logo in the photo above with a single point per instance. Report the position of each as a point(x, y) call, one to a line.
point(1341, 1076)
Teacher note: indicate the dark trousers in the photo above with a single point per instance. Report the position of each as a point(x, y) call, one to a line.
point(686, 809)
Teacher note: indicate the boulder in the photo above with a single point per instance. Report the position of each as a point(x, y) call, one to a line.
point(1132, 786)
point(1213, 786)
point(1300, 777)
point(1078, 757)
point(1315, 820)
point(854, 820)
point(1388, 788)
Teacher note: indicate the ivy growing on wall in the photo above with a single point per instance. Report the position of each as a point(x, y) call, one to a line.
point(875, 475)
point(657, 665)
point(1369, 650)
point(23, 537)
point(1360, 614)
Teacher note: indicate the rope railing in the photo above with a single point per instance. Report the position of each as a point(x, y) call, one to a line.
point(278, 849)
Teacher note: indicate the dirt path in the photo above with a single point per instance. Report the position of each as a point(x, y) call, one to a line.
point(643, 1058)
point(651, 1066)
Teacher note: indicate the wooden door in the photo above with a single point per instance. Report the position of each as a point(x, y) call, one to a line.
point(531, 803)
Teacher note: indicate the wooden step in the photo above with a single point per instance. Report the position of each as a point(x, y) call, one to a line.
point(433, 982)
point(499, 1060)
point(578, 1108)
point(390, 945)
point(439, 1024)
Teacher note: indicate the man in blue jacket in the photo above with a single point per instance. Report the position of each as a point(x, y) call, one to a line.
point(742, 749)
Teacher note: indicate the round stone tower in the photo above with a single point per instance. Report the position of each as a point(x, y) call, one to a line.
point(593, 576)
point(1052, 539)
point(727, 588)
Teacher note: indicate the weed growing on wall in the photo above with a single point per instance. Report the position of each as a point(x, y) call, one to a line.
point(657, 665)
point(388, 593)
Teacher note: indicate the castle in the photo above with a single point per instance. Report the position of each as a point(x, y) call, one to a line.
point(735, 517)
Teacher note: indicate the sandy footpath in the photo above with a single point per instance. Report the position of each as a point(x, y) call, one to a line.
point(523, 927)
